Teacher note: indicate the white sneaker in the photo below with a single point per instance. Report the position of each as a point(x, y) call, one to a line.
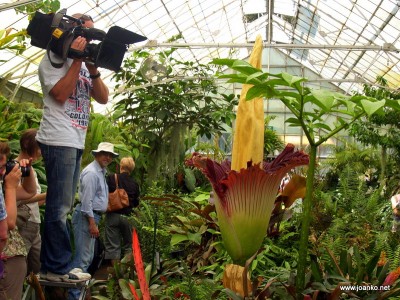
point(77, 275)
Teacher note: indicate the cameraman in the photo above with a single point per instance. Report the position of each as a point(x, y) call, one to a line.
point(61, 136)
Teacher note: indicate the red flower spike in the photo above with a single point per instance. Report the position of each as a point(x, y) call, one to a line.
point(392, 277)
point(137, 256)
point(133, 290)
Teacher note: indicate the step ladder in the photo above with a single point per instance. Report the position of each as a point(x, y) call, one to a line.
point(30, 293)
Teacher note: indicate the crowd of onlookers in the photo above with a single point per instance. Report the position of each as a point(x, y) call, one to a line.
point(20, 228)
point(68, 86)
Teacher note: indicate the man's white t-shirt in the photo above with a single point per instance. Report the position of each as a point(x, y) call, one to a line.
point(64, 124)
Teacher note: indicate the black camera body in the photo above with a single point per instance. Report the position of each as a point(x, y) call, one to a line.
point(56, 32)
point(26, 171)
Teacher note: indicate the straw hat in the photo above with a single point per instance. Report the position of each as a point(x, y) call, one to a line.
point(105, 147)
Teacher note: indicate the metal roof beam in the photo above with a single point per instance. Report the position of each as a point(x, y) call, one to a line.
point(387, 47)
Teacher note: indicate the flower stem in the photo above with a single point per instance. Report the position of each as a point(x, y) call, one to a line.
point(305, 227)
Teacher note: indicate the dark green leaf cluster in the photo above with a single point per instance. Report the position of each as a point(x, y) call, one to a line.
point(320, 113)
point(191, 98)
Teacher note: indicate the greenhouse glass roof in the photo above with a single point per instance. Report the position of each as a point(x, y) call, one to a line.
point(347, 42)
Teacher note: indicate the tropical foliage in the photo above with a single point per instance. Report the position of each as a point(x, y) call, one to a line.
point(171, 114)
point(311, 110)
point(345, 240)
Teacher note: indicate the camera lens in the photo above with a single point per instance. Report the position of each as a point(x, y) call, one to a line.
point(9, 166)
point(24, 170)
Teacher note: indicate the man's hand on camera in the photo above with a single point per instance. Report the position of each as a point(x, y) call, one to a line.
point(13, 178)
point(79, 44)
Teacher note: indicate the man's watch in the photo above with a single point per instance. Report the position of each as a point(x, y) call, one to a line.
point(95, 76)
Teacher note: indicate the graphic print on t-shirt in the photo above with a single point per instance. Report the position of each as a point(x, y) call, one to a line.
point(77, 106)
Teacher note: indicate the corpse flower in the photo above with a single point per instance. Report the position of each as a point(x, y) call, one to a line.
point(244, 200)
point(245, 192)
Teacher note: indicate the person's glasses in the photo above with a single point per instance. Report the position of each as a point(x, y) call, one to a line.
point(108, 154)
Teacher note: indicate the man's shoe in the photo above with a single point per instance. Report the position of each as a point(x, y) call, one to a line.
point(49, 276)
point(77, 275)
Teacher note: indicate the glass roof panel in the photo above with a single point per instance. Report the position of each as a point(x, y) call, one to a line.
point(340, 40)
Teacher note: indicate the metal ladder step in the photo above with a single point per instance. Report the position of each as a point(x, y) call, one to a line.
point(30, 293)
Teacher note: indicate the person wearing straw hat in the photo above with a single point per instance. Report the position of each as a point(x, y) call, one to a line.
point(93, 197)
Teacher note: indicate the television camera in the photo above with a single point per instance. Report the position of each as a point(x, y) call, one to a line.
point(56, 32)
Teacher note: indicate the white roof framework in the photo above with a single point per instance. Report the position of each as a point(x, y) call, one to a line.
point(348, 42)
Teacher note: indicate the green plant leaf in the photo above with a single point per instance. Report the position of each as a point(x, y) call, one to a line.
point(178, 238)
point(292, 80)
point(125, 289)
point(323, 98)
point(195, 237)
point(360, 273)
point(202, 197)
point(190, 179)
point(322, 126)
point(395, 104)
point(343, 261)
point(260, 90)
point(255, 78)
point(371, 107)
point(244, 67)
point(316, 272)
point(235, 78)
point(223, 62)
point(371, 265)
point(293, 122)
point(383, 273)
point(319, 287)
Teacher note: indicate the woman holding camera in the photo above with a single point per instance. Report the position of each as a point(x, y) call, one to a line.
point(14, 254)
point(28, 220)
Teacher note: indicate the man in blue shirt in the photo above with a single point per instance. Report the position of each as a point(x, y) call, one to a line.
point(93, 196)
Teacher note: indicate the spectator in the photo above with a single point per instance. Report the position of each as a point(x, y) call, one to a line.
point(93, 196)
point(3, 212)
point(117, 226)
point(395, 201)
point(61, 136)
point(30, 227)
point(14, 253)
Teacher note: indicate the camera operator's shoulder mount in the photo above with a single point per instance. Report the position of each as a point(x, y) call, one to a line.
point(56, 32)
